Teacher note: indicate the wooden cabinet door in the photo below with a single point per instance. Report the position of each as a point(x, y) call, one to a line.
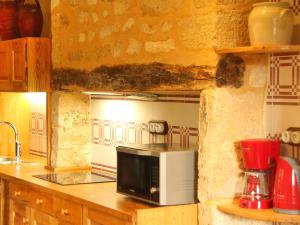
point(5, 66)
point(19, 65)
point(1, 202)
point(99, 217)
point(41, 218)
point(19, 213)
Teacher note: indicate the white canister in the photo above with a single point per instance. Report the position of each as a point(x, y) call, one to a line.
point(271, 23)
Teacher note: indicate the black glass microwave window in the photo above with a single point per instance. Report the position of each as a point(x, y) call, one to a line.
point(133, 174)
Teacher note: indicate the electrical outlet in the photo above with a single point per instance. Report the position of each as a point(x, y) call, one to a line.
point(158, 127)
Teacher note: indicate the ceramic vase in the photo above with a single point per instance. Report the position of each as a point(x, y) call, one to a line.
point(30, 18)
point(8, 19)
point(271, 23)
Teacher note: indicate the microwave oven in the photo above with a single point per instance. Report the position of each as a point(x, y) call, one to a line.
point(160, 174)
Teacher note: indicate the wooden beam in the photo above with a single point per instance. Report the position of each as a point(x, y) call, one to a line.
point(135, 77)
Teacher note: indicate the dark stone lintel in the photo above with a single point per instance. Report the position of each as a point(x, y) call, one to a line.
point(135, 77)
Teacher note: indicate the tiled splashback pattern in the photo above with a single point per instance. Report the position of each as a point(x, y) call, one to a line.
point(113, 133)
point(283, 97)
point(121, 122)
point(38, 135)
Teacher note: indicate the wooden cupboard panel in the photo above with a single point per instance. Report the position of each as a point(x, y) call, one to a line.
point(39, 218)
point(39, 64)
point(25, 65)
point(19, 59)
point(1, 202)
point(68, 211)
point(41, 201)
point(19, 192)
point(97, 217)
point(5, 66)
point(19, 213)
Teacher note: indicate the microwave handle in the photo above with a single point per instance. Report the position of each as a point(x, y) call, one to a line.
point(134, 151)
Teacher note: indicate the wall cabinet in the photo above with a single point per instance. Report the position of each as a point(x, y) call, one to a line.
point(25, 64)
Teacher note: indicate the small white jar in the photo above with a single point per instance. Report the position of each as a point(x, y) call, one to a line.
point(271, 23)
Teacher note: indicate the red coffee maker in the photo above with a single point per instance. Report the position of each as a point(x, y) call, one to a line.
point(287, 186)
point(259, 157)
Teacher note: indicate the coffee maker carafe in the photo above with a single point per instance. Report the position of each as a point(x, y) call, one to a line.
point(259, 156)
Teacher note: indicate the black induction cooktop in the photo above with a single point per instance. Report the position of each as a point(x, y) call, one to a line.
point(74, 178)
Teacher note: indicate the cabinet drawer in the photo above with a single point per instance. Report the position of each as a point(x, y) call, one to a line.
point(68, 210)
point(97, 217)
point(42, 201)
point(19, 192)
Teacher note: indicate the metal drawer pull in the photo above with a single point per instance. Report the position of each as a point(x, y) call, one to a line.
point(17, 193)
point(64, 212)
point(39, 201)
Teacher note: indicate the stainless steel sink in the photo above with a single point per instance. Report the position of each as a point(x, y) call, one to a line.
point(4, 160)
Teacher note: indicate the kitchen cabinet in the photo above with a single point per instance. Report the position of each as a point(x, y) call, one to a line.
point(38, 217)
point(43, 203)
point(98, 217)
point(2, 198)
point(19, 213)
point(25, 65)
point(32, 206)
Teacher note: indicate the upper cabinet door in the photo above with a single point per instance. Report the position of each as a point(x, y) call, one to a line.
point(5, 66)
point(25, 64)
point(19, 63)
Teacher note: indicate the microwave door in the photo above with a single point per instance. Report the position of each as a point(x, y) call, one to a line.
point(133, 174)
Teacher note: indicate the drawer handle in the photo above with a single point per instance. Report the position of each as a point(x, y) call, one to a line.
point(17, 193)
point(39, 201)
point(64, 212)
point(25, 220)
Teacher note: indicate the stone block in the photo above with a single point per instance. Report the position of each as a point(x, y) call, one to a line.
point(166, 26)
point(106, 31)
point(159, 7)
point(147, 28)
point(160, 46)
point(198, 31)
point(71, 129)
point(227, 115)
point(92, 2)
point(128, 24)
point(232, 29)
point(134, 47)
point(83, 17)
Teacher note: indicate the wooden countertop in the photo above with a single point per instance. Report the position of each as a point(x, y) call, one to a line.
point(101, 196)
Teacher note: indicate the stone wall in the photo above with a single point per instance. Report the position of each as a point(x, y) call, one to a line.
point(90, 33)
point(228, 115)
point(71, 130)
point(87, 34)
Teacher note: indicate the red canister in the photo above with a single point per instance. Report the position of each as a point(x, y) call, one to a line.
point(30, 18)
point(8, 19)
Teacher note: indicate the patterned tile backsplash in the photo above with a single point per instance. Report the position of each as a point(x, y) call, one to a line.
point(121, 122)
point(38, 135)
point(283, 97)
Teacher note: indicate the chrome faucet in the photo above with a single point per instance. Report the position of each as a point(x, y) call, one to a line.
point(18, 144)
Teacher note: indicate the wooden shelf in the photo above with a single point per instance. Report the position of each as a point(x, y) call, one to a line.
point(232, 207)
point(259, 49)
